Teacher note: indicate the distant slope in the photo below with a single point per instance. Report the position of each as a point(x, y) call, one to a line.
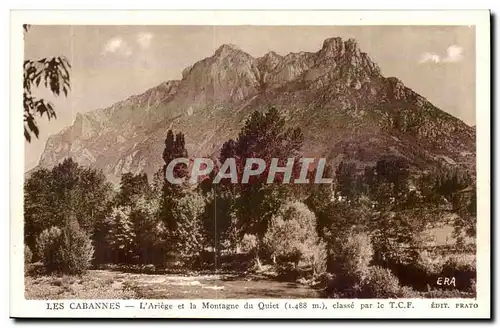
point(337, 95)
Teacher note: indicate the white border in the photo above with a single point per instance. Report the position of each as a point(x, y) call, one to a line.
point(480, 18)
point(253, 17)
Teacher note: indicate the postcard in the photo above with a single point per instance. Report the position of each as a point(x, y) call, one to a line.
point(250, 164)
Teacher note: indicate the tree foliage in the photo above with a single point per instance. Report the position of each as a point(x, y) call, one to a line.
point(148, 230)
point(121, 236)
point(187, 238)
point(132, 187)
point(218, 219)
point(51, 196)
point(174, 148)
point(50, 73)
point(77, 248)
point(264, 136)
point(292, 236)
point(49, 248)
point(68, 249)
point(28, 255)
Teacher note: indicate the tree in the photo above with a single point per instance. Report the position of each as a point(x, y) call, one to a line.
point(121, 235)
point(292, 236)
point(263, 136)
point(187, 236)
point(148, 238)
point(341, 219)
point(398, 214)
point(51, 73)
point(132, 187)
point(157, 183)
point(218, 218)
point(319, 200)
point(380, 283)
point(28, 255)
point(174, 148)
point(348, 184)
point(389, 181)
point(465, 206)
point(39, 210)
point(67, 190)
point(453, 190)
point(396, 237)
point(448, 181)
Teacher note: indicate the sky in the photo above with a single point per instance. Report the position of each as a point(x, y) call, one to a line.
point(112, 63)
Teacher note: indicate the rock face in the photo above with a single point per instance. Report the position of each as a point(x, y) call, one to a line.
point(337, 95)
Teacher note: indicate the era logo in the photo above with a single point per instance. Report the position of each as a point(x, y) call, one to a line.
point(445, 281)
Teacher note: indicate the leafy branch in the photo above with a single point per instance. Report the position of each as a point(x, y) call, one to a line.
point(51, 73)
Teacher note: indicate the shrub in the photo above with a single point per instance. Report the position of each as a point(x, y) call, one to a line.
point(49, 247)
point(77, 248)
point(287, 271)
point(292, 237)
point(408, 292)
point(28, 255)
point(380, 283)
point(248, 243)
point(350, 263)
point(463, 268)
point(472, 287)
point(69, 250)
point(319, 257)
point(396, 239)
point(413, 275)
point(447, 293)
point(461, 262)
point(423, 271)
point(353, 255)
point(324, 280)
point(431, 265)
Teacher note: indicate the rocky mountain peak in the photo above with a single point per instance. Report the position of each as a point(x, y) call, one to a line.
point(228, 50)
point(270, 59)
point(338, 96)
point(232, 74)
point(229, 75)
point(352, 47)
point(333, 47)
point(346, 53)
point(336, 47)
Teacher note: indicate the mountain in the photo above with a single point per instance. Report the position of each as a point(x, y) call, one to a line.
point(337, 95)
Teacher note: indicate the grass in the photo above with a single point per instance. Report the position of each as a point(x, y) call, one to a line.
point(106, 284)
point(92, 285)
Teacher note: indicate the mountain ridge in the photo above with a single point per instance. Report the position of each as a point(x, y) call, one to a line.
point(337, 95)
